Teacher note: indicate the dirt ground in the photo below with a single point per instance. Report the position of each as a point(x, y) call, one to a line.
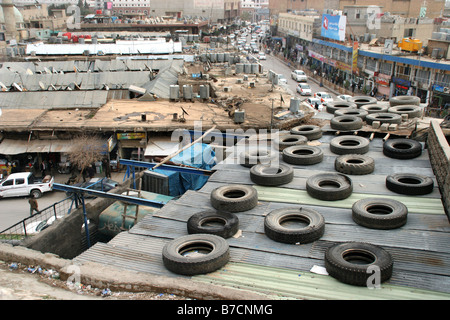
point(20, 282)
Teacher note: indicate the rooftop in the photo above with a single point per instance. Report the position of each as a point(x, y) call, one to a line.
point(280, 271)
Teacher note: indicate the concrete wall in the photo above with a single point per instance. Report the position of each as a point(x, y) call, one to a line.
point(439, 152)
point(63, 237)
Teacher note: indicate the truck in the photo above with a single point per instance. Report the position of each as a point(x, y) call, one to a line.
point(25, 184)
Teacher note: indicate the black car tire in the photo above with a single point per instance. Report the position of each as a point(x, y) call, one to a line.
point(362, 100)
point(311, 132)
point(375, 108)
point(352, 112)
point(285, 141)
point(174, 259)
point(402, 148)
point(384, 117)
point(250, 158)
point(343, 262)
point(409, 183)
point(274, 229)
point(303, 155)
point(354, 164)
point(400, 100)
point(346, 123)
point(379, 213)
point(349, 144)
point(411, 110)
point(267, 175)
point(329, 186)
point(222, 224)
point(234, 198)
point(334, 106)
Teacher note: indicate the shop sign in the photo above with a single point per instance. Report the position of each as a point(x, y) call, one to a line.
point(440, 88)
point(383, 79)
point(111, 143)
point(401, 82)
point(355, 56)
point(131, 135)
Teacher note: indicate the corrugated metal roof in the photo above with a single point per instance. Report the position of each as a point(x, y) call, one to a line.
point(12, 147)
point(419, 248)
point(53, 99)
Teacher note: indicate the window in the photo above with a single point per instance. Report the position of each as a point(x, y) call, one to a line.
point(20, 181)
point(8, 183)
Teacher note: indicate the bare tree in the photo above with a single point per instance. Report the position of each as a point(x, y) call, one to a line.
point(86, 149)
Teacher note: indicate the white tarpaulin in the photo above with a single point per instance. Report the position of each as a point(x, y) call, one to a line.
point(120, 47)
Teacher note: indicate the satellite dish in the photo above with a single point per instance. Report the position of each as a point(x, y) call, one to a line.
point(29, 71)
point(41, 85)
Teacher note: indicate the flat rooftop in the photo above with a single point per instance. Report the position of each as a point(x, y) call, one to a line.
point(282, 271)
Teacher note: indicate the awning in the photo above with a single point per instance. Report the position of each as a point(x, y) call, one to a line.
point(13, 147)
point(161, 148)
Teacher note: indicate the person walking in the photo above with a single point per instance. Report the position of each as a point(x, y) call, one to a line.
point(33, 205)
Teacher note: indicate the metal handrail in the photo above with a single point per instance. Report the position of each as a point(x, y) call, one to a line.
point(37, 222)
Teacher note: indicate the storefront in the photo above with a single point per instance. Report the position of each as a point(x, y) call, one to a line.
point(440, 101)
point(401, 87)
point(131, 145)
point(383, 85)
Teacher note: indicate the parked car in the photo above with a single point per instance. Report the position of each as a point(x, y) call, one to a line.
point(304, 89)
point(344, 97)
point(299, 75)
point(281, 79)
point(324, 97)
point(313, 101)
point(25, 184)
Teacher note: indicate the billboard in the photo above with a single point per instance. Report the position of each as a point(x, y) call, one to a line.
point(333, 27)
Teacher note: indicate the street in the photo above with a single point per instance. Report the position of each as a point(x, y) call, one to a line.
point(278, 66)
point(13, 210)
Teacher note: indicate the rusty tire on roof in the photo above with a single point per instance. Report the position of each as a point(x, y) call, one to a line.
point(355, 262)
point(195, 254)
